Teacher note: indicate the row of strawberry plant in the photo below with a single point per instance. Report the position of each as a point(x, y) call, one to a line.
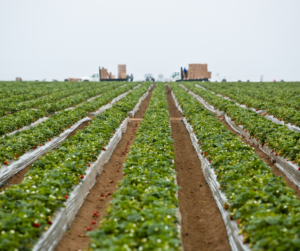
point(27, 209)
point(282, 140)
point(60, 92)
point(15, 89)
point(284, 94)
point(20, 119)
point(279, 108)
point(143, 211)
point(35, 90)
point(16, 145)
point(265, 208)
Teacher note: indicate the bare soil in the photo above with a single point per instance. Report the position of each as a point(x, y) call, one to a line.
point(263, 156)
point(75, 238)
point(202, 225)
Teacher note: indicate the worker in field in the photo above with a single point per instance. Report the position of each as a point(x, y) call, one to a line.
point(185, 72)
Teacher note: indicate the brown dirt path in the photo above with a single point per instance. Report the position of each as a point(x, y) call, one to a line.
point(202, 224)
point(74, 239)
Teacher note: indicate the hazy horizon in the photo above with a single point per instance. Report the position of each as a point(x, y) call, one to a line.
point(239, 40)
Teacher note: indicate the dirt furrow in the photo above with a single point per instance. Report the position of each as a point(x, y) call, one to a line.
point(202, 224)
point(74, 238)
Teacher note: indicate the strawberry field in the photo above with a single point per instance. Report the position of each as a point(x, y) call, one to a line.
point(136, 166)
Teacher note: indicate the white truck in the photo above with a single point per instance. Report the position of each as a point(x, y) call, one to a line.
point(175, 76)
point(93, 78)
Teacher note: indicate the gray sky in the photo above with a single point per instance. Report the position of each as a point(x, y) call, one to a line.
point(71, 38)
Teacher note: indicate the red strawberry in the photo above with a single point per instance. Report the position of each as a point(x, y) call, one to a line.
point(82, 176)
point(93, 222)
point(276, 154)
point(36, 224)
point(24, 152)
point(95, 213)
point(103, 194)
point(49, 222)
point(118, 170)
point(40, 144)
point(66, 196)
point(101, 199)
point(88, 228)
point(121, 122)
point(219, 187)
point(5, 162)
point(49, 139)
point(33, 147)
point(201, 153)
point(104, 149)
point(298, 168)
point(210, 161)
point(108, 194)
point(89, 164)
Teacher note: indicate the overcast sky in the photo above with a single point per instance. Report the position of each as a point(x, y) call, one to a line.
point(238, 39)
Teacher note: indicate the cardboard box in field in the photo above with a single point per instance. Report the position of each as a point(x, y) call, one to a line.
point(74, 79)
point(198, 71)
point(122, 75)
point(103, 73)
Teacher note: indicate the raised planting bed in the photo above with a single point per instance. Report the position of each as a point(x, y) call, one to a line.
point(144, 211)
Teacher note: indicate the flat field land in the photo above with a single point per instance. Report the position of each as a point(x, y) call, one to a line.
point(149, 166)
